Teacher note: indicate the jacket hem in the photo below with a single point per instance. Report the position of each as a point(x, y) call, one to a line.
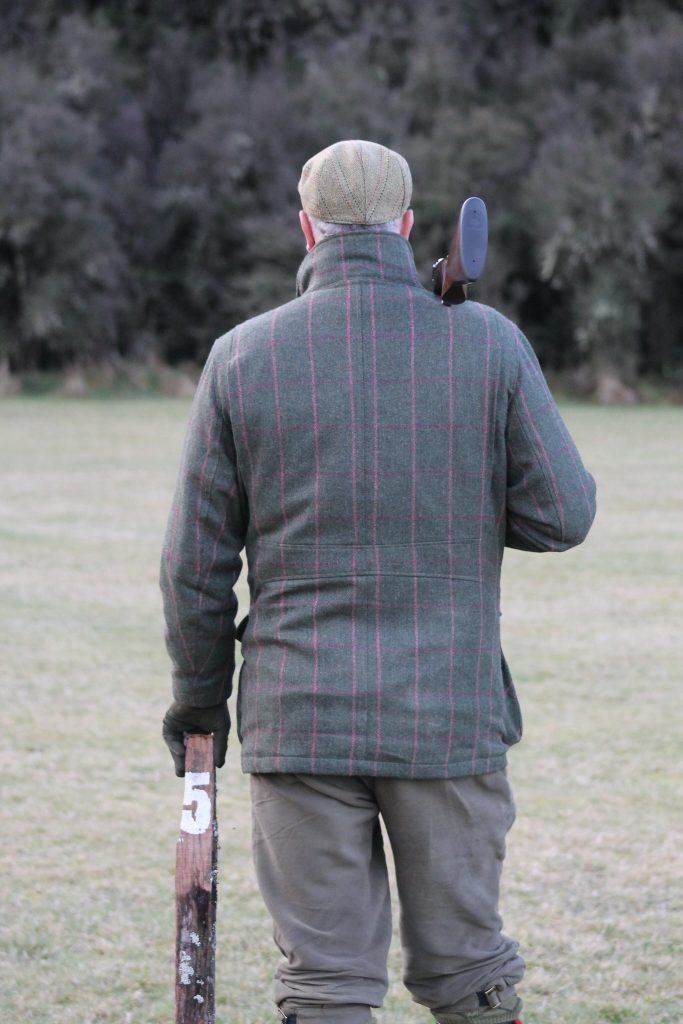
point(252, 763)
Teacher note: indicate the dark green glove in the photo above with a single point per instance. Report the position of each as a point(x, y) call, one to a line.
point(182, 718)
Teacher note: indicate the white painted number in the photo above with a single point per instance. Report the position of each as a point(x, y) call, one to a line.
point(198, 820)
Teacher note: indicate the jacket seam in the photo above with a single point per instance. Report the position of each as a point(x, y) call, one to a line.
point(519, 369)
point(239, 477)
point(217, 398)
point(539, 463)
point(378, 283)
point(350, 544)
point(366, 699)
point(344, 760)
point(352, 575)
point(205, 496)
point(363, 416)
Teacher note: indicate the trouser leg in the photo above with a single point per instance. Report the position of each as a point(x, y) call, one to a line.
point(320, 866)
point(448, 841)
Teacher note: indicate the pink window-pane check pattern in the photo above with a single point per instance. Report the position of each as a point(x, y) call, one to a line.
point(373, 452)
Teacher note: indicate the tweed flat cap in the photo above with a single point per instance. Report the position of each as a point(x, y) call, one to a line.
point(356, 182)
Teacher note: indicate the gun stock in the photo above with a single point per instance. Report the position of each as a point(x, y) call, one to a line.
point(466, 256)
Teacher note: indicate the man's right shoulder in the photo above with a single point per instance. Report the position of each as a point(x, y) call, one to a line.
point(256, 331)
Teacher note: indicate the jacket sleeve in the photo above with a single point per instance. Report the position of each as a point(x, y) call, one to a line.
point(200, 558)
point(550, 494)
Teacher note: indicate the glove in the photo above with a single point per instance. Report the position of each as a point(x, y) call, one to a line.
point(182, 718)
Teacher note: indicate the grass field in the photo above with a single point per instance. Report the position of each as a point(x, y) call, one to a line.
point(91, 807)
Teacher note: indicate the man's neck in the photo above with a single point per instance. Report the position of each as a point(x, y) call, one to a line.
point(385, 257)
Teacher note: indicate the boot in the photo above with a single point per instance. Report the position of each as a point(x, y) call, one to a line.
point(290, 1018)
point(492, 1010)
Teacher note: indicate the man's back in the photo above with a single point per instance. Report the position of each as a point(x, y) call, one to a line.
point(386, 448)
point(374, 451)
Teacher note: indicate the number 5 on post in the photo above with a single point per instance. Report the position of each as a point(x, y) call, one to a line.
point(196, 877)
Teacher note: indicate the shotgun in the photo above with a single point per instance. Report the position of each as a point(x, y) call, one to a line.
point(466, 256)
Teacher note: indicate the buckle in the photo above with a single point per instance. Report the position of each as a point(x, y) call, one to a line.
point(491, 995)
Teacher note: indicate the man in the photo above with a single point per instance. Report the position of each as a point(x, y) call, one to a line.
point(374, 451)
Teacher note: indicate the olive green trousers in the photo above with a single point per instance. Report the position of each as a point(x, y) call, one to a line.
point(320, 865)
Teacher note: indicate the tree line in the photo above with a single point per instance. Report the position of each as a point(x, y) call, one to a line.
point(150, 153)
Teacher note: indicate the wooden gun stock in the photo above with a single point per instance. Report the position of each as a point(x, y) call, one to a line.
point(466, 256)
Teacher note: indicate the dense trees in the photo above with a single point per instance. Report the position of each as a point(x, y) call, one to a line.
point(149, 156)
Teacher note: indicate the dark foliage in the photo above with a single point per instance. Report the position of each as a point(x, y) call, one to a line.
point(149, 156)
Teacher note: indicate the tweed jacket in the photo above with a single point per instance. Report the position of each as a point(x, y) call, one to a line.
point(372, 451)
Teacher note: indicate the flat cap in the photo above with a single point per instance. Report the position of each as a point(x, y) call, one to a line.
point(356, 182)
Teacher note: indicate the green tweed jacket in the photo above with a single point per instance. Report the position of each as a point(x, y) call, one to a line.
point(373, 451)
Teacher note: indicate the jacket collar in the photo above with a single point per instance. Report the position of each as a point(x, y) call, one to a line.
point(382, 256)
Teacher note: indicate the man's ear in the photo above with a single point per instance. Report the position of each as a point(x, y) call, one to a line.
point(307, 229)
point(407, 221)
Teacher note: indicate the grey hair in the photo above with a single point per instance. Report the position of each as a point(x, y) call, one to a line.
point(324, 228)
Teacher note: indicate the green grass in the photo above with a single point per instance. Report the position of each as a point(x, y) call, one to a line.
point(91, 808)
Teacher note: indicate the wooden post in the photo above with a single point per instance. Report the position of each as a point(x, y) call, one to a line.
point(195, 885)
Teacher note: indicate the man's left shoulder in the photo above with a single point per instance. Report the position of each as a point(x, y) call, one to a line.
point(495, 321)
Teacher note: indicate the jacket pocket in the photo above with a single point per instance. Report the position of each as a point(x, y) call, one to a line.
point(514, 725)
